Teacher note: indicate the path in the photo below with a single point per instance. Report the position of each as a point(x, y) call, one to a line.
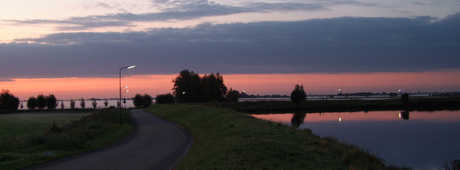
point(156, 144)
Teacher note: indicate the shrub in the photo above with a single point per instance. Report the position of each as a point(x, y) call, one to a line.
point(41, 101)
point(8, 100)
point(164, 99)
point(82, 103)
point(232, 95)
point(32, 103)
point(51, 102)
point(147, 100)
point(142, 101)
point(72, 104)
point(94, 104)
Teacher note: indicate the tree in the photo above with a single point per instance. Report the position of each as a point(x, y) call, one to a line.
point(137, 100)
point(232, 95)
point(298, 95)
point(62, 104)
point(164, 99)
point(106, 103)
point(82, 103)
point(72, 104)
point(142, 101)
point(214, 87)
point(187, 87)
point(32, 103)
point(147, 100)
point(50, 101)
point(94, 104)
point(41, 101)
point(8, 100)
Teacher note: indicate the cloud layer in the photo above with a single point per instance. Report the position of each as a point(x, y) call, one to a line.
point(335, 45)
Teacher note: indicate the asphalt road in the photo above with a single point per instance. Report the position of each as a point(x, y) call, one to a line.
point(154, 144)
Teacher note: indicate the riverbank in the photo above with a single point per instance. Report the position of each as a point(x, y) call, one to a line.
point(420, 104)
point(226, 139)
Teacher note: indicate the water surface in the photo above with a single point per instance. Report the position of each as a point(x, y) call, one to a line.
point(425, 140)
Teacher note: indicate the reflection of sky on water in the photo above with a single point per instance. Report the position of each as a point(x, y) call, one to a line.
point(424, 140)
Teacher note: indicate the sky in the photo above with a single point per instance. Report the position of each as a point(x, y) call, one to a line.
point(75, 48)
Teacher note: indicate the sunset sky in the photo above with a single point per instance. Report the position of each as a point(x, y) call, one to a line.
point(74, 48)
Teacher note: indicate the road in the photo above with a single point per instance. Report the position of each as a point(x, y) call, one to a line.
point(154, 144)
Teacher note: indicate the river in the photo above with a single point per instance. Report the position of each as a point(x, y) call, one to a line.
point(421, 140)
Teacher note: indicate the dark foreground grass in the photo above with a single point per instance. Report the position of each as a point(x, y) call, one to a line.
point(226, 139)
point(90, 132)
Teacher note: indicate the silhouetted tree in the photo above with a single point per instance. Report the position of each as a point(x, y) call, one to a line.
point(51, 102)
point(164, 99)
point(41, 101)
point(147, 100)
point(405, 97)
point(72, 104)
point(142, 101)
point(32, 103)
point(187, 87)
point(94, 104)
point(62, 104)
point(106, 103)
point(232, 95)
point(82, 103)
point(298, 95)
point(8, 101)
point(137, 100)
point(214, 87)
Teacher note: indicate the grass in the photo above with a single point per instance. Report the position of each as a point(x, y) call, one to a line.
point(26, 123)
point(62, 138)
point(226, 139)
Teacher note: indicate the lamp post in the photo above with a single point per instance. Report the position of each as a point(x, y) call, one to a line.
point(119, 79)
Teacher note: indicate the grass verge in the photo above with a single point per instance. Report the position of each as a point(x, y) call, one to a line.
point(226, 139)
point(90, 132)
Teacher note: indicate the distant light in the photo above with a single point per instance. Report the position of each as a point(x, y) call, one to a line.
point(340, 119)
point(399, 114)
point(183, 92)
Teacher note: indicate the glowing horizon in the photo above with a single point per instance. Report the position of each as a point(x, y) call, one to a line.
point(257, 84)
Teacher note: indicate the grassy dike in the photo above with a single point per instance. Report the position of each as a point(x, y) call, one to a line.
point(226, 139)
point(24, 147)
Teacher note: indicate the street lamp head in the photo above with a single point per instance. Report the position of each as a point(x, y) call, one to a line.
point(130, 67)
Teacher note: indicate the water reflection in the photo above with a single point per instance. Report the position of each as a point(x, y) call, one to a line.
point(298, 118)
point(426, 141)
point(404, 115)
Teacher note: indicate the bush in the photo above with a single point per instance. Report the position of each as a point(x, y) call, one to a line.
point(8, 100)
point(232, 95)
point(41, 101)
point(142, 101)
point(51, 102)
point(147, 100)
point(32, 103)
point(164, 99)
point(82, 103)
point(72, 104)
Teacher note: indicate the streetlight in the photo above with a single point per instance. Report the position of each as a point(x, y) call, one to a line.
point(119, 78)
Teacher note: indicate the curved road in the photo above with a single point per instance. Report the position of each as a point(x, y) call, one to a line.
point(154, 144)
